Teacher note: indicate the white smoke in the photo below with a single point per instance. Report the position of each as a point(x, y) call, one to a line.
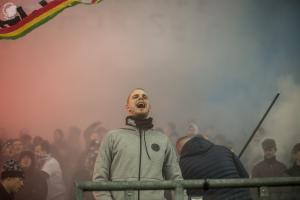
point(214, 62)
point(283, 124)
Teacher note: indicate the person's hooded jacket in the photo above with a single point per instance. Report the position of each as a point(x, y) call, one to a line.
point(130, 154)
point(201, 159)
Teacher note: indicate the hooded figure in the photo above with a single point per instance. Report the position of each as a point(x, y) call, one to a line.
point(136, 153)
point(201, 159)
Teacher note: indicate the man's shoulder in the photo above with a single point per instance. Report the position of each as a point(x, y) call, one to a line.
point(289, 171)
point(281, 164)
point(50, 164)
point(159, 135)
point(260, 164)
point(120, 131)
point(221, 148)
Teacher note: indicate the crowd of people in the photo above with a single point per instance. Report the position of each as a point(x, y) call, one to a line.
point(51, 169)
point(35, 169)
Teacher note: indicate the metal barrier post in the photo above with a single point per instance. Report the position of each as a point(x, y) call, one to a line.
point(263, 193)
point(179, 192)
point(79, 193)
point(129, 195)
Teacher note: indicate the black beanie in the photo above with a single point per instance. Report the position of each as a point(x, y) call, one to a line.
point(12, 168)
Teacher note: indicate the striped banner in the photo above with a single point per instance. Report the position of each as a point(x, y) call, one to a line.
point(39, 17)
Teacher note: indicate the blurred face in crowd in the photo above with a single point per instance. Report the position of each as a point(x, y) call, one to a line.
point(138, 104)
point(192, 129)
point(17, 147)
point(14, 184)
point(39, 152)
point(297, 158)
point(94, 136)
point(269, 152)
point(7, 150)
point(26, 161)
point(58, 136)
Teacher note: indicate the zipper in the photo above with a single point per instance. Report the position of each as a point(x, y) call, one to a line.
point(140, 163)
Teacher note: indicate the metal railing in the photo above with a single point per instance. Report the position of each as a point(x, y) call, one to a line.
point(180, 185)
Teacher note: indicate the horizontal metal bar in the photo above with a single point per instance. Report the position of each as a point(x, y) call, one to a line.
point(187, 184)
point(126, 185)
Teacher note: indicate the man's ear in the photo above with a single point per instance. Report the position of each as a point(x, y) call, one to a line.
point(128, 109)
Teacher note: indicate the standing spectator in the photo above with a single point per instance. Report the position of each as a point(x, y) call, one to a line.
point(59, 150)
point(52, 171)
point(59, 146)
point(37, 140)
point(17, 148)
point(136, 153)
point(193, 129)
point(26, 140)
point(12, 176)
point(95, 130)
point(294, 171)
point(35, 185)
point(269, 167)
point(84, 171)
point(201, 159)
point(253, 154)
point(6, 152)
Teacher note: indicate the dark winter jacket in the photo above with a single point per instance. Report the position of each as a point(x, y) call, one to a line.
point(294, 171)
point(4, 195)
point(268, 168)
point(293, 193)
point(35, 184)
point(201, 159)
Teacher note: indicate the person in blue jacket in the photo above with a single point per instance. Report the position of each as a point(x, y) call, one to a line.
point(201, 159)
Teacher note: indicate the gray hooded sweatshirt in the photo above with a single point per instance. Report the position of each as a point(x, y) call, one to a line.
point(119, 160)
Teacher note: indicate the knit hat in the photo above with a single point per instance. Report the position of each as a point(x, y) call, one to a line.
point(12, 168)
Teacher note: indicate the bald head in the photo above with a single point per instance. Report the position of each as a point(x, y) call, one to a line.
point(181, 142)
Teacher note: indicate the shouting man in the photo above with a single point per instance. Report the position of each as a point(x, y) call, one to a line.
point(136, 152)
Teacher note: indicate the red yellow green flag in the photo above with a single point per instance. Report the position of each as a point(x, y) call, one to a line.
point(21, 23)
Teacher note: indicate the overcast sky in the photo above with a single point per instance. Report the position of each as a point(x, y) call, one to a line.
point(219, 63)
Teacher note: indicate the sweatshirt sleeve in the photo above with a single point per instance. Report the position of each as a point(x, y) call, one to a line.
point(102, 167)
point(171, 169)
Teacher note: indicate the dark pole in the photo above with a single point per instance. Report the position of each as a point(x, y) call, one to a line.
point(258, 125)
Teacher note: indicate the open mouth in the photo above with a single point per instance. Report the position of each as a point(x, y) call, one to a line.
point(140, 105)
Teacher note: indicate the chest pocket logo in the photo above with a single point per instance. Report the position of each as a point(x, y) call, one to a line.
point(155, 147)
